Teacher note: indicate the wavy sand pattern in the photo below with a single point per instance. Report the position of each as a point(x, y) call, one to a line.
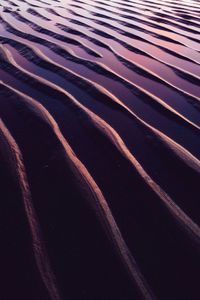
point(100, 149)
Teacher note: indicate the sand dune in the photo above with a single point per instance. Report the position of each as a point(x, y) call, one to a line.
point(100, 149)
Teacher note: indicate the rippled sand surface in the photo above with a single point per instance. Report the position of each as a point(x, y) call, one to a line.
point(99, 149)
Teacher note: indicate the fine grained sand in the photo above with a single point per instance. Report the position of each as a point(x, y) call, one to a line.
point(99, 149)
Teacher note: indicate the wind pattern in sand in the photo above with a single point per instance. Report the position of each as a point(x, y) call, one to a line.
point(99, 149)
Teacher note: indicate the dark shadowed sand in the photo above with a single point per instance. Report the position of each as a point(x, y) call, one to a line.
point(99, 149)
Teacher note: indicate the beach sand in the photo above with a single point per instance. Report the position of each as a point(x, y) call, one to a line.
point(99, 149)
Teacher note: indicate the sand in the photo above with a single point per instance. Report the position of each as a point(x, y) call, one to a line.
point(99, 149)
